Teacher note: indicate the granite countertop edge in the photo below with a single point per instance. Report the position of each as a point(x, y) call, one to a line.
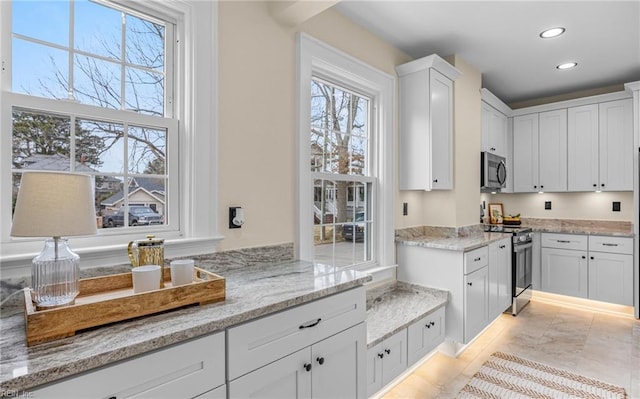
point(188, 323)
point(463, 244)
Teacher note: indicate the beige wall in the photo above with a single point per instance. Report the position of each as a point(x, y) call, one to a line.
point(596, 206)
point(257, 107)
point(457, 207)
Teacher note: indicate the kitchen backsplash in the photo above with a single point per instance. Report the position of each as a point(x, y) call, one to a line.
point(217, 262)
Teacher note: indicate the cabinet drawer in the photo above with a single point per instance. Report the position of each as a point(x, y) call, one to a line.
point(616, 245)
point(476, 259)
point(262, 341)
point(564, 241)
point(184, 370)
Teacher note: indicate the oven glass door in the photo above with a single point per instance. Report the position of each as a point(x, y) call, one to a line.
point(522, 267)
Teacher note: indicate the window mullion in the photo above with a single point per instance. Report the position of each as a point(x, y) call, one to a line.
point(71, 89)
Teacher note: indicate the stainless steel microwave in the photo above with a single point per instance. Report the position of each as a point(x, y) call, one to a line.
point(493, 172)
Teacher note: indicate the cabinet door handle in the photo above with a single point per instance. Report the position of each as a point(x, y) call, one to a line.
point(564, 241)
point(584, 257)
point(607, 244)
point(477, 259)
point(311, 324)
point(469, 283)
point(435, 180)
point(307, 366)
point(380, 355)
point(320, 360)
point(428, 325)
point(595, 185)
point(602, 185)
point(388, 351)
point(503, 246)
point(535, 186)
point(591, 257)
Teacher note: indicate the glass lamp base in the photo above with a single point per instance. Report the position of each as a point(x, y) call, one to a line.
point(55, 275)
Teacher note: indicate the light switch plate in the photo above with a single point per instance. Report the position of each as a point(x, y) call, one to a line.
point(547, 205)
point(616, 206)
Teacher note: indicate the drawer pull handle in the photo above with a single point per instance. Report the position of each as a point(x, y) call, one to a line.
point(388, 351)
point(307, 367)
point(311, 325)
point(320, 360)
point(503, 246)
point(564, 241)
point(428, 325)
point(469, 284)
point(606, 244)
point(477, 259)
point(380, 355)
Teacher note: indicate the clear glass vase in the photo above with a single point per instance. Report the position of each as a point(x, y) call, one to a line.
point(55, 274)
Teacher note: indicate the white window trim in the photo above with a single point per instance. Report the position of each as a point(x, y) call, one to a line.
point(318, 58)
point(198, 150)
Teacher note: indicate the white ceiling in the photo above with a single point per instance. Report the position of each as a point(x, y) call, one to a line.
point(500, 39)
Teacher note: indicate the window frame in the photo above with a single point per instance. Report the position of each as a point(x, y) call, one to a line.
point(317, 59)
point(195, 105)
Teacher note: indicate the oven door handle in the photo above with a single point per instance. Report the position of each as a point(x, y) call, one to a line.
point(521, 247)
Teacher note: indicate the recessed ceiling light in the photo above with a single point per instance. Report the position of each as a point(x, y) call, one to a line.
point(553, 32)
point(567, 65)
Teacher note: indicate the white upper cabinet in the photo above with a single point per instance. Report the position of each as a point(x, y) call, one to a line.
point(426, 124)
point(616, 145)
point(583, 147)
point(494, 131)
point(552, 150)
point(540, 151)
point(525, 153)
point(600, 155)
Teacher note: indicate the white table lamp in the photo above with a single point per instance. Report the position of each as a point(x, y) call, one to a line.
point(54, 204)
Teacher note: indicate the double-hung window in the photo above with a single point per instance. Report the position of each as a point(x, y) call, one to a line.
point(345, 159)
point(99, 87)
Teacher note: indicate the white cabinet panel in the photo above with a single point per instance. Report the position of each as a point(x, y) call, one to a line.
point(289, 377)
point(218, 393)
point(386, 361)
point(616, 245)
point(426, 124)
point(424, 335)
point(582, 148)
point(339, 365)
point(476, 302)
point(565, 272)
point(254, 344)
point(611, 278)
point(525, 153)
point(476, 259)
point(616, 145)
point(553, 151)
point(565, 241)
point(499, 277)
point(184, 370)
point(494, 131)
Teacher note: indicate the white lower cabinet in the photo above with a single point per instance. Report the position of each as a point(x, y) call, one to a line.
point(593, 267)
point(476, 302)
point(186, 370)
point(218, 393)
point(425, 335)
point(315, 350)
point(565, 272)
point(499, 277)
point(328, 369)
point(386, 361)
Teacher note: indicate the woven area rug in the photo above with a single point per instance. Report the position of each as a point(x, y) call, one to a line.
point(508, 376)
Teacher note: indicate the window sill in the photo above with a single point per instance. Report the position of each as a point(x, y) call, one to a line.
point(20, 265)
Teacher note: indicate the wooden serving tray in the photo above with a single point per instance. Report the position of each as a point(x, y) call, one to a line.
point(109, 299)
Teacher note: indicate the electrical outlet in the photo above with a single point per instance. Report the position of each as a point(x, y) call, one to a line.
point(616, 206)
point(405, 209)
point(547, 205)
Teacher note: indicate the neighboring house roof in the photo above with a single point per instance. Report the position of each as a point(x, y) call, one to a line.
point(53, 162)
point(153, 186)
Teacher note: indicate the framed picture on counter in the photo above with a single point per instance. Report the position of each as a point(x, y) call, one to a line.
point(495, 213)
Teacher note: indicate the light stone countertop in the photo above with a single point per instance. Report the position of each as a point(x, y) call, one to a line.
point(464, 243)
point(251, 292)
point(576, 226)
point(395, 306)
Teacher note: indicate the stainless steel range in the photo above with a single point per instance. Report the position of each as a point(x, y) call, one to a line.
point(521, 264)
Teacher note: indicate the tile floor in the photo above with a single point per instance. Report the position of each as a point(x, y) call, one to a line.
point(593, 344)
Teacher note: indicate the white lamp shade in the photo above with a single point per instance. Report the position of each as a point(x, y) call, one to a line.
point(54, 204)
